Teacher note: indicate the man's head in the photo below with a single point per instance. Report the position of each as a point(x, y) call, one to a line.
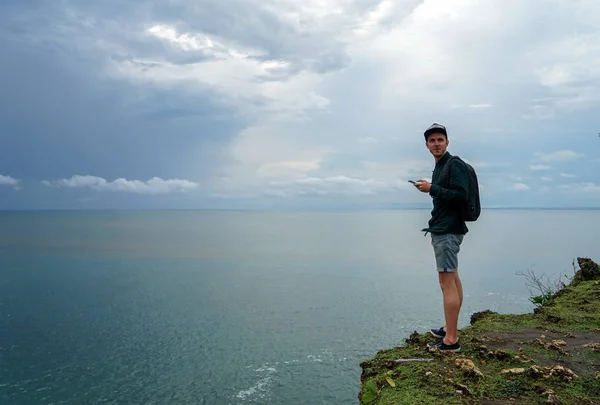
point(436, 140)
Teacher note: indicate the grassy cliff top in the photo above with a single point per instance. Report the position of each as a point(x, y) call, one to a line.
point(551, 356)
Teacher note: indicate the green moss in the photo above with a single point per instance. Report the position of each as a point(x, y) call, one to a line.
point(575, 309)
point(505, 323)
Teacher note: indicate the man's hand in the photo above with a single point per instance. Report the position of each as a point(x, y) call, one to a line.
point(423, 186)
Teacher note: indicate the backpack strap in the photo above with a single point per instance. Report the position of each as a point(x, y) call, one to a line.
point(446, 171)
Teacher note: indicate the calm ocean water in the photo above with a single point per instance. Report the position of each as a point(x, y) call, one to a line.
point(203, 307)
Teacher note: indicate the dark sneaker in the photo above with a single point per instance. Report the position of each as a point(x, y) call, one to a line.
point(435, 344)
point(448, 348)
point(438, 333)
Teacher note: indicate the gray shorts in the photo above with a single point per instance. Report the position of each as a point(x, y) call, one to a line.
point(446, 248)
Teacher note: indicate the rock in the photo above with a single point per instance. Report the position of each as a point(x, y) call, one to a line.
point(523, 357)
point(462, 389)
point(368, 372)
point(535, 372)
point(469, 368)
point(598, 375)
point(499, 354)
point(480, 315)
point(413, 338)
point(588, 270)
point(552, 398)
point(594, 346)
point(555, 345)
point(513, 371)
point(462, 362)
point(562, 373)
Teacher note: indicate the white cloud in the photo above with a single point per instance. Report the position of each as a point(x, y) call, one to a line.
point(581, 188)
point(559, 156)
point(8, 181)
point(238, 82)
point(189, 42)
point(519, 187)
point(337, 185)
point(479, 106)
point(242, 77)
point(574, 72)
point(371, 23)
point(155, 185)
point(266, 152)
point(567, 176)
point(540, 167)
point(547, 179)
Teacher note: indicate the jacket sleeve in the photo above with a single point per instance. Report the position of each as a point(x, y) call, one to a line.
point(459, 184)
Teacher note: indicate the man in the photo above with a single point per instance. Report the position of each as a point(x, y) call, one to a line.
point(447, 229)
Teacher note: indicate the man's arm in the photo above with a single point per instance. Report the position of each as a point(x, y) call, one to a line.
point(459, 183)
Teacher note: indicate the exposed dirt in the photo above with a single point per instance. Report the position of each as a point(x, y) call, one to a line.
point(569, 343)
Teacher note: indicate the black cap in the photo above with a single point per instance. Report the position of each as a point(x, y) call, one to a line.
point(435, 128)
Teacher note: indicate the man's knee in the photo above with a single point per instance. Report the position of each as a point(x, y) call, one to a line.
point(447, 280)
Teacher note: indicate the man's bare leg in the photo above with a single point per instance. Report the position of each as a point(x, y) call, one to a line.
point(460, 293)
point(452, 304)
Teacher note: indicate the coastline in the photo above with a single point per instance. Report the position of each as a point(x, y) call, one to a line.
point(550, 356)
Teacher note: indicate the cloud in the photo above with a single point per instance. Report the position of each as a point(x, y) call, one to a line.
point(540, 167)
point(574, 73)
point(369, 140)
point(302, 178)
point(240, 59)
point(239, 82)
point(547, 179)
point(560, 156)
point(338, 185)
point(287, 169)
point(581, 188)
point(8, 181)
point(296, 97)
point(519, 187)
point(155, 185)
point(188, 42)
point(567, 176)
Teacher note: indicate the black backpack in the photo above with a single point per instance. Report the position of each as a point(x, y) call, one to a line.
point(472, 208)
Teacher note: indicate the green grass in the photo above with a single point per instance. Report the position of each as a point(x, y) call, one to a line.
point(576, 309)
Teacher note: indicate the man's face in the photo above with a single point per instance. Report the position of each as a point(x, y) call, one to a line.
point(437, 145)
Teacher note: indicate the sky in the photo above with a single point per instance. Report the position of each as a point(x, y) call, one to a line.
point(206, 104)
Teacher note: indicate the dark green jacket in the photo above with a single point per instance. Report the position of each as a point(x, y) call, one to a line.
point(446, 216)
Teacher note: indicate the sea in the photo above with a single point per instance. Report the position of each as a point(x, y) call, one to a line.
point(244, 307)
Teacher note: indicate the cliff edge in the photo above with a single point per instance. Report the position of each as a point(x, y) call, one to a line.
point(550, 356)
